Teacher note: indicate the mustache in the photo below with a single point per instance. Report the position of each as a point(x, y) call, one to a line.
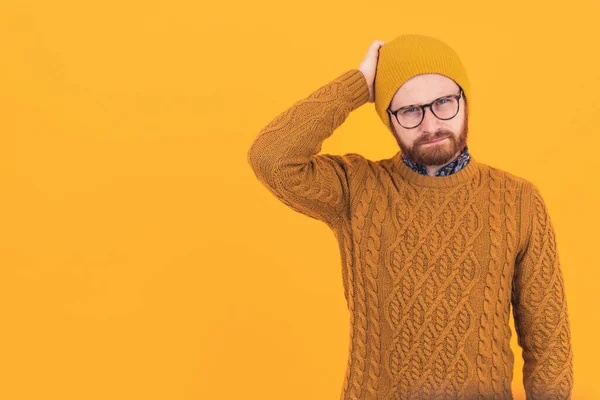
point(441, 135)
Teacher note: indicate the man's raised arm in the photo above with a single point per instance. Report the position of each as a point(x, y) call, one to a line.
point(284, 154)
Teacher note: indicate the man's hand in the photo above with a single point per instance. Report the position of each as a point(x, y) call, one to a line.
point(369, 66)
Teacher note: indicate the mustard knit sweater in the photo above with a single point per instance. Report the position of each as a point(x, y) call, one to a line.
point(430, 264)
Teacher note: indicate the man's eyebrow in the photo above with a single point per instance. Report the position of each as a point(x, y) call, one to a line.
point(416, 104)
point(411, 105)
point(408, 105)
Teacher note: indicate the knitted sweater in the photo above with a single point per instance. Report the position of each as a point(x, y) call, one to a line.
point(430, 264)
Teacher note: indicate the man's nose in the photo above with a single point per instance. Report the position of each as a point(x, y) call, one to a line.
point(429, 120)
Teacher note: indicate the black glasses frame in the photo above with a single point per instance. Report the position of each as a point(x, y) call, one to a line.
point(423, 106)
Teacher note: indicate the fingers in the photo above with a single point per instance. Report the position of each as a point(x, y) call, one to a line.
point(377, 44)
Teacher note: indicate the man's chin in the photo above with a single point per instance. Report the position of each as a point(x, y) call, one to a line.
point(434, 157)
point(434, 161)
point(433, 154)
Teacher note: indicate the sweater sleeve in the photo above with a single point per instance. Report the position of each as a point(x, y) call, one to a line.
point(284, 155)
point(540, 307)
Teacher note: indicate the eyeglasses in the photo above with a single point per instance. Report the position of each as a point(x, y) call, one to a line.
point(444, 108)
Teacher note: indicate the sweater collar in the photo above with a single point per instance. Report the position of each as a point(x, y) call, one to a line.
point(461, 171)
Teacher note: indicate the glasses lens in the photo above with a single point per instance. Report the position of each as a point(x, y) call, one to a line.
point(410, 117)
point(446, 107)
point(443, 108)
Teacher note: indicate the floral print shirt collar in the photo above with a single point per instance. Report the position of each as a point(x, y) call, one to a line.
point(454, 166)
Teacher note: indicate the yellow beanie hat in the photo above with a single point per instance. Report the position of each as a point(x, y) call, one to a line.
point(407, 56)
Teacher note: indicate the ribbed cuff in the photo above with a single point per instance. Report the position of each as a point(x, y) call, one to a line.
point(358, 88)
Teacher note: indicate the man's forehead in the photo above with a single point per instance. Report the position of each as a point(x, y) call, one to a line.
point(423, 89)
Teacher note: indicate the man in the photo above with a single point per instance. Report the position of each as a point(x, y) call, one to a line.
point(435, 246)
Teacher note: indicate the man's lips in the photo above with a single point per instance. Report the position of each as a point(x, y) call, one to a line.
point(436, 141)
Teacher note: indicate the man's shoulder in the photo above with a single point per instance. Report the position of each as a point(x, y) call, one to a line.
point(506, 175)
point(357, 161)
point(522, 187)
point(506, 178)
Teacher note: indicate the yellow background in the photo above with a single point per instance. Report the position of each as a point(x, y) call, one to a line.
point(141, 259)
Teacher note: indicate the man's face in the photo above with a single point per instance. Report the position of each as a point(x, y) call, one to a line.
point(423, 89)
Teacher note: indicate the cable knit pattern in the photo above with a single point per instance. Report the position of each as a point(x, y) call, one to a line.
point(430, 264)
point(540, 310)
